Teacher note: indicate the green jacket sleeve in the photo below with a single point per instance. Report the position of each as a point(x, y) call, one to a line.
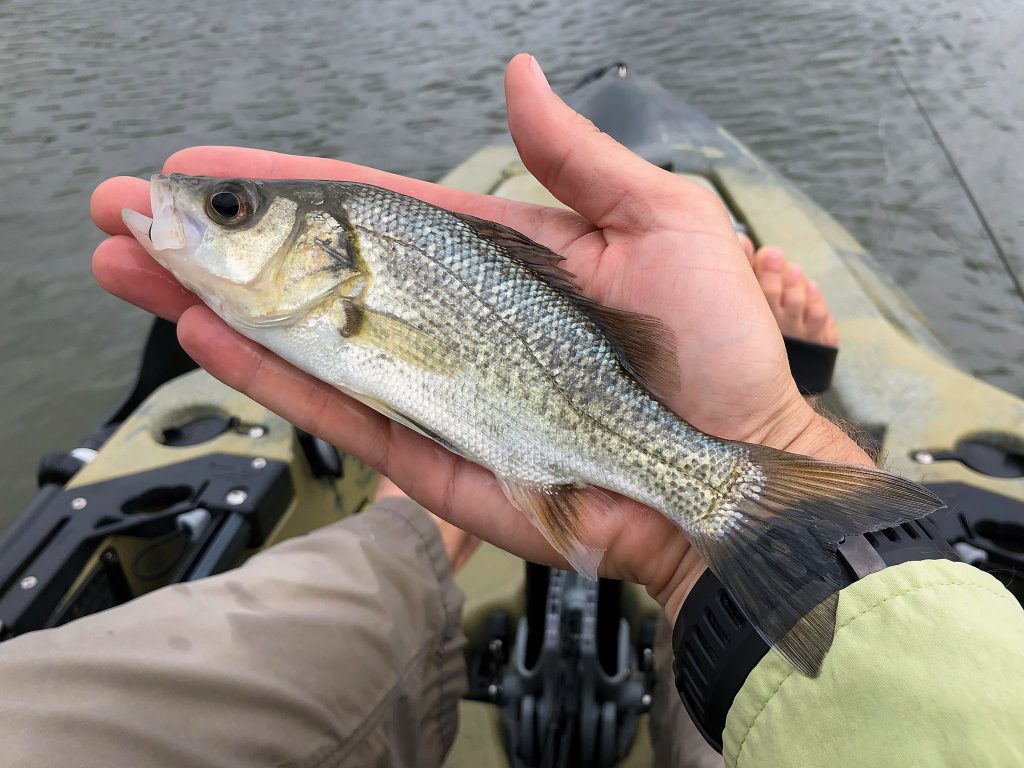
point(927, 669)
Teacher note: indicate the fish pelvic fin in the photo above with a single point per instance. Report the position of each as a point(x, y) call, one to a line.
point(559, 512)
point(775, 549)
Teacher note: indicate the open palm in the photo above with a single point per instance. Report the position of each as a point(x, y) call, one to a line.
point(638, 238)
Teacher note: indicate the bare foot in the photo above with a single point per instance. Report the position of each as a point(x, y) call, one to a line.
point(457, 543)
point(796, 301)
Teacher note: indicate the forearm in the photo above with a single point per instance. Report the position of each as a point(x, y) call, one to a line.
point(342, 646)
point(925, 669)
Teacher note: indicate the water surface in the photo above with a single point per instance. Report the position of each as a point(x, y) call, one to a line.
point(90, 90)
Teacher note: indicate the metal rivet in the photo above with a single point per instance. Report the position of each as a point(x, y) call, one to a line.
point(923, 457)
point(259, 463)
point(29, 582)
point(79, 502)
point(257, 431)
point(236, 497)
point(645, 700)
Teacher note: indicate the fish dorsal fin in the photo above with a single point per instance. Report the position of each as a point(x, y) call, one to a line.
point(644, 345)
point(542, 261)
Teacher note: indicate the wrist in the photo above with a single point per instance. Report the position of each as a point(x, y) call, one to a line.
point(796, 427)
point(672, 591)
point(801, 430)
point(823, 439)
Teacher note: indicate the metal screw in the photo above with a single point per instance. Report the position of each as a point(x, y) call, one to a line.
point(236, 497)
point(29, 582)
point(79, 502)
point(257, 431)
point(259, 463)
point(923, 457)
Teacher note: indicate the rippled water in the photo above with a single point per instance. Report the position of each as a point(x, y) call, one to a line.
point(89, 90)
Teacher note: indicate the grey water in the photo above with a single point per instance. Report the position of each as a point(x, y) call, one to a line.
point(91, 90)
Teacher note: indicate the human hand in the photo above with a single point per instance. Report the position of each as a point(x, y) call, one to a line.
point(458, 545)
point(640, 239)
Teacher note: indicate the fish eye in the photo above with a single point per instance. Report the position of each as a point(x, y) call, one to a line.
point(229, 203)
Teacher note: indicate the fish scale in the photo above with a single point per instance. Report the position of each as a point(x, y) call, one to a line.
point(565, 345)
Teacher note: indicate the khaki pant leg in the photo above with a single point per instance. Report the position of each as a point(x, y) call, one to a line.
point(675, 739)
point(339, 648)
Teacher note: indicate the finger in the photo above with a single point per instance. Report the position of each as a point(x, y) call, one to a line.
point(111, 196)
point(588, 170)
point(549, 226)
point(457, 490)
point(463, 493)
point(123, 268)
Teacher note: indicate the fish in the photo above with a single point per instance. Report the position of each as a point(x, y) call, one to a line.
point(476, 336)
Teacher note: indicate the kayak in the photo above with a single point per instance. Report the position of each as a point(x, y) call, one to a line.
point(893, 380)
point(186, 478)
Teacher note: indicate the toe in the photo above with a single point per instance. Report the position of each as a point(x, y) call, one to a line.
point(748, 246)
point(769, 265)
point(830, 336)
point(794, 302)
point(818, 321)
point(816, 317)
point(814, 292)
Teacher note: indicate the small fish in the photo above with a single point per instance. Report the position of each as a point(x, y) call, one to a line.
point(475, 336)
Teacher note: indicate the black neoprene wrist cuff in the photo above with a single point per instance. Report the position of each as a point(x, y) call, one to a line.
point(811, 364)
point(715, 648)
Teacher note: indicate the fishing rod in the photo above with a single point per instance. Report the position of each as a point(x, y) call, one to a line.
point(961, 181)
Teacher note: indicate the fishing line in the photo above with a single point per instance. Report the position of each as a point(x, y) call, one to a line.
point(960, 180)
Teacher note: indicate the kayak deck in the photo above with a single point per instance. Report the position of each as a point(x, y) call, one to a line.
point(893, 379)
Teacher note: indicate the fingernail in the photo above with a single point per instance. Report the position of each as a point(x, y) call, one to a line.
point(796, 270)
point(538, 72)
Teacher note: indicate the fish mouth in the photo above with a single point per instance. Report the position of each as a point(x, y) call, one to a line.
point(163, 232)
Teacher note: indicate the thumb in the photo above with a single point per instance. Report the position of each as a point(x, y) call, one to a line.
point(588, 170)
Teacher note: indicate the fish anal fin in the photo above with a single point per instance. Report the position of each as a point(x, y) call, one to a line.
point(644, 345)
point(560, 513)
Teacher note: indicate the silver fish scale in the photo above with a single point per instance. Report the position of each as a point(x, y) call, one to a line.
point(540, 395)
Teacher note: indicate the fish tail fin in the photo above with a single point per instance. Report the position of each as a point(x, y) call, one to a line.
point(776, 555)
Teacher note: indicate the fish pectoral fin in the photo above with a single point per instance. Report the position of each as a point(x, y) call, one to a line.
point(396, 337)
point(560, 512)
